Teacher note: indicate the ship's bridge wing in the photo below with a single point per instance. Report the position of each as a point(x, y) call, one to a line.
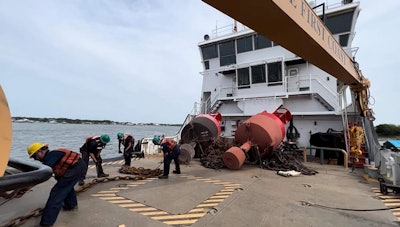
point(294, 25)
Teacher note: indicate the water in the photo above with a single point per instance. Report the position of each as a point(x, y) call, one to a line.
point(72, 136)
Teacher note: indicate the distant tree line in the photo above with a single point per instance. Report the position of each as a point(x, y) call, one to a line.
point(79, 121)
point(388, 130)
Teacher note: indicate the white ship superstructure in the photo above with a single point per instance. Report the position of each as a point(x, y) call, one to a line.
point(246, 73)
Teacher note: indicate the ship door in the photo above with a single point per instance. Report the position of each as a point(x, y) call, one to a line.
point(293, 80)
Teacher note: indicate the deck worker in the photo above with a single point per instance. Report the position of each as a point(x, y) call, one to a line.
point(68, 169)
point(92, 147)
point(128, 141)
point(171, 152)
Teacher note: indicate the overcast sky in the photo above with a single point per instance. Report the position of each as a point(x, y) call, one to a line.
point(138, 60)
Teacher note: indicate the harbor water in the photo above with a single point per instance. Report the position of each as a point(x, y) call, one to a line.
point(72, 136)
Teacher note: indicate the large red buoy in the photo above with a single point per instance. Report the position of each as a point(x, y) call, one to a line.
point(204, 127)
point(264, 130)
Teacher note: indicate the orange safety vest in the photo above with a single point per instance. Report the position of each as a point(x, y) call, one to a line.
point(69, 159)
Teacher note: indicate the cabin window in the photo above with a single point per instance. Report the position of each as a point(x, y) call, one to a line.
point(343, 40)
point(244, 44)
point(206, 65)
point(274, 73)
point(227, 53)
point(340, 23)
point(258, 74)
point(261, 42)
point(243, 78)
point(209, 51)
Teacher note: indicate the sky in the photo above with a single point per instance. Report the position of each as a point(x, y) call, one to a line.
point(138, 61)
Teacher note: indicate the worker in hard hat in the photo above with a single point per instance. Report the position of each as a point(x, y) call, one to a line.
point(92, 148)
point(68, 169)
point(171, 152)
point(128, 141)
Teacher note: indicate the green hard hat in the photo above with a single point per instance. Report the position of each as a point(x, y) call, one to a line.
point(104, 139)
point(120, 135)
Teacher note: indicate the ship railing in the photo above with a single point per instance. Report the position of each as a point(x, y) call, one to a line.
point(227, 29)
point(323, 150)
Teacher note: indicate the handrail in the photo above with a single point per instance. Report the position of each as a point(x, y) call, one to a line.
point(31, 175)
point(345, 155)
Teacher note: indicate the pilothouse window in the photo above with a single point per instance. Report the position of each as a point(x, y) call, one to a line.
point(258, 74)
point(227, 53)
point(243, 78)
point(209, 51)
point(261, 42)
point(244, 44)
point(274, 73)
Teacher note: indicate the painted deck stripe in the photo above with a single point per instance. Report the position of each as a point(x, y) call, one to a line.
point(219, 197)
point(224, 183)
point(392, 204)
point(389, 197)
point(154, 213)
point(121, 201)
point(142, 209)
point(224, 193)
point(213, 200)
point(106, 192)
point(212, 181)
point(179, 216)
point(198, 210)
point(390, 200)
point(132, 205)
point(227, 190)
point(183, 222)
point(396, 213)
point(100, 195)
point(207, 205)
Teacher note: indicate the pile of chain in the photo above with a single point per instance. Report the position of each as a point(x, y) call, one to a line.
point(212, 155)
point(147, 173)
point(282, 160)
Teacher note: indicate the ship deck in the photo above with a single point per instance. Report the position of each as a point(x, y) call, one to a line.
point(199, 196)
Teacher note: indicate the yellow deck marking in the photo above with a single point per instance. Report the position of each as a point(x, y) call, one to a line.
point(213, 200)
point(198, 210)
point(207, 205)
point(105, 192)
point(389, 197)
point(154, 213)
point(179, 216)
point(121, 201)
point(183, 222)
point(392, 204)
point(223, 193)
point(100, 195)
point(112, 198)
point(396, 213)
point(219, 197)
point(188, 218)
point(390, 200)
point(132, 205)
point(142, 209)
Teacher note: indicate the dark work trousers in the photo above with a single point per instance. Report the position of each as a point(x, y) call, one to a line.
point(174, 155)
point(127, 157)
point(99, 167)
point(63, 193)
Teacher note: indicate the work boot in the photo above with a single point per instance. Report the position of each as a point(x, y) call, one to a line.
point(81, 183)
point(163, 177)
point(176, 172)
point(103, 175)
